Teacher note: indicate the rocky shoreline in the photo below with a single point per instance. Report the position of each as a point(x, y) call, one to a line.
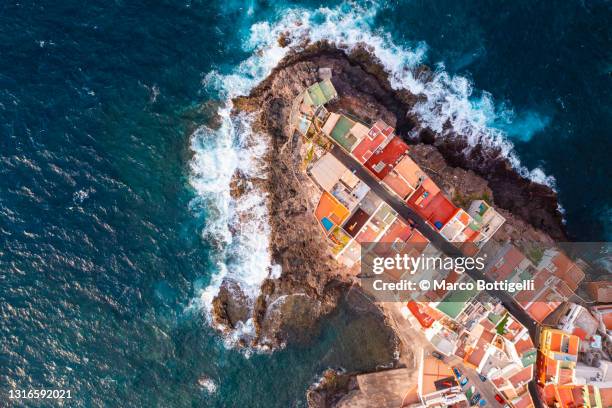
point(311, 282)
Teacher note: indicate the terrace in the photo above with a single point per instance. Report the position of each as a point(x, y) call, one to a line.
point(384, 160)
point(432, 205)
point(366, 148)
point(405, 178)
point(341, 133)
point(355, 222)
point(320, 93)
point(453, 230)
point(330, 212)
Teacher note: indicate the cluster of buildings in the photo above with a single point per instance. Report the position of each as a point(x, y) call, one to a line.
point(351, 214)
point(569, 359)
point(483, 338)
point(574, 368)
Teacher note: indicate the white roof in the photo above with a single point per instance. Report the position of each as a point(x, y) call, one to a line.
point(330, 123)
point(327, 171)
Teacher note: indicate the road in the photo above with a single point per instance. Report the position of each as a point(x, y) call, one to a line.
point(439, 242)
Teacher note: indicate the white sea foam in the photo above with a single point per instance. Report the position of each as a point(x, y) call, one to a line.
point(242, 241)
point(207, 384)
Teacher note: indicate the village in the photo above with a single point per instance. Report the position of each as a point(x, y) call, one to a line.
point(539, 347)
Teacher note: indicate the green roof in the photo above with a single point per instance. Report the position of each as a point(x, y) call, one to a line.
point(340, 133)
point(321, 93)
point(328, 89)
point(455, 301)
point(529, 358)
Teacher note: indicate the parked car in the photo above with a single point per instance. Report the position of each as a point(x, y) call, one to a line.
point(499, 399)
point(482, 403)
point(457, 372)
point(463, 381)
point(437, 355)
point(482, 377)
point(475, 399)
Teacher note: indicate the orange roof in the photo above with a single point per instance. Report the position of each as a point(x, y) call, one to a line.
point(605, 312)
point(404, 178)
point(540, 310)
point(330, 208)
point(524, 402)
point(524, 345)
point(607, 319)
point(417, 237)
point(606, 396)
point(399, 230)
point(567, 270)
point(522, 377)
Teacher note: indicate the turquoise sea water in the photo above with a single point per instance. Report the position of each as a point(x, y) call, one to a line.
point(111, 212)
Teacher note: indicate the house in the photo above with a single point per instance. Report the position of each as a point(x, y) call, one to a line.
point(573, 396)
point(330, 212)
point(459, 228)
point(319, 94)
point(404, 178)
point(558, 357)
point(335, 178)
point(486, 219)
point(338, 128)
point(508, 263)
point(386, 157)
point(600, 291)
point(377, 138)
point(562, 266)
point(577, 320)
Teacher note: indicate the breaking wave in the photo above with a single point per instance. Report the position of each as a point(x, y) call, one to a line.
point(242, 241)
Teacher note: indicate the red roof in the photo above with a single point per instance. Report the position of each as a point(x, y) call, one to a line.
point(541, 309)
point(436, 209)
point(365, 149)
point(383, 161)
point(522, 377)
point(399, 230)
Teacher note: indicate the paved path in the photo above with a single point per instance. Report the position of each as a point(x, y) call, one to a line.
point(439, 242)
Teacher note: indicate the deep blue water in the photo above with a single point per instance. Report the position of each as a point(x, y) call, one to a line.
point(101, 252)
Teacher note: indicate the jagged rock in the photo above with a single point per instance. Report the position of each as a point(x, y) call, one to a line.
point(230, 306)
point(238, 185)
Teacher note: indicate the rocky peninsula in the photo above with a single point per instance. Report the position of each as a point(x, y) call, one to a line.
point(312, 282)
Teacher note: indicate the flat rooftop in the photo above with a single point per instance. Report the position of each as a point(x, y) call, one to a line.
point(382, 162)
point(330, 212)
point(405, 177)
point(355, 222)
point(365, 149)
point(455, 301)
point(341, 133)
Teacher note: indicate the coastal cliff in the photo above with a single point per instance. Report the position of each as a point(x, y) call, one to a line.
point(311, 281)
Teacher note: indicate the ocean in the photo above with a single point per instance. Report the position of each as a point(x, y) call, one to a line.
point(116, 151)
